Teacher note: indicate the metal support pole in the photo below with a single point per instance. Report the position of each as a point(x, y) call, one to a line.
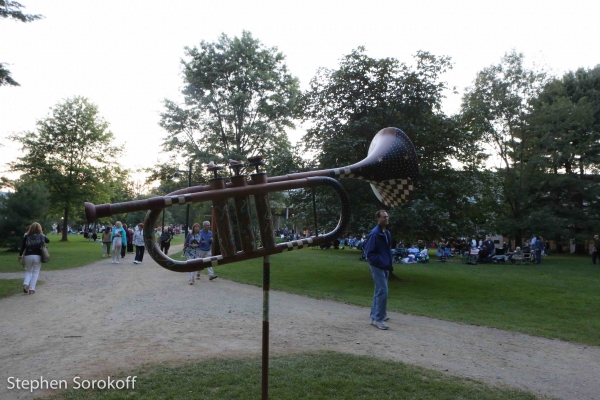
point(187, 214)
point(315, 211)
point(265, 332)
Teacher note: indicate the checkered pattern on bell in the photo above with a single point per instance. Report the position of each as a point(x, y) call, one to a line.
point(393, 192)
point(343, 172)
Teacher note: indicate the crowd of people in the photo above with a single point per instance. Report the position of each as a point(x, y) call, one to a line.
point(490, 251)
point(118, 240)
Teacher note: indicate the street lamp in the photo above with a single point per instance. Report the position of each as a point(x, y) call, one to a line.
point(187, 214)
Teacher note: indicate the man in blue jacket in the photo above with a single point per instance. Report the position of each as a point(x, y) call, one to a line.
point(205, 243)
point(379, 255)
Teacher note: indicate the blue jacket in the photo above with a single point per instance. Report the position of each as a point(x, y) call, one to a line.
point(379, 249)
point(207, 237)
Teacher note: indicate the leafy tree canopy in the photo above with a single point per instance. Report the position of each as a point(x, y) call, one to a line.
point(496, 110)
point(349, 105)
point(565, 119)
point(12, 10)
point(239, 99)
point(72, 154)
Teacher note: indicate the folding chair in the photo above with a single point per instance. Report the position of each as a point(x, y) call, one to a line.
point(473, 256)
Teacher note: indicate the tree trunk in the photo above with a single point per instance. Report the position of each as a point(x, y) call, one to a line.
point(517, 216)
point(518, 237)
point(65, 234)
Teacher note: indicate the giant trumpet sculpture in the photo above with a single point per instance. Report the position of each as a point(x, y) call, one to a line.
point(390, 167)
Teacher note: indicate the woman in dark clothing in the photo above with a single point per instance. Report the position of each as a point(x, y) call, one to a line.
point(129, 240)
point(31, 251)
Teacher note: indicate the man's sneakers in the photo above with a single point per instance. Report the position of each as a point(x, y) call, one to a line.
point(379, 324)
point(210, 277)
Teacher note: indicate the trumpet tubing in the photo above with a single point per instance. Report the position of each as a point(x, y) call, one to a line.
point(390, 167)
point(264, 219)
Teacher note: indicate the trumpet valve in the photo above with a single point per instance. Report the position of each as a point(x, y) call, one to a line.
point(214, 169)
point(236, 166)
point(255, 162)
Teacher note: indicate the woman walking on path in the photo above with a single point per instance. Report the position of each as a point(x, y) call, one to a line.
point(165, 240)
point(31, 251)
point(130, 240)
point(191, 248)
point(138, 240)
point(205, 243)
point(106, 242)
point(118, 238)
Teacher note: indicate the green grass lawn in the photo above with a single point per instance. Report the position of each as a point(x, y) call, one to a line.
point(557, 299)
point(77, 252)
point(8, 287)
point(325, 375)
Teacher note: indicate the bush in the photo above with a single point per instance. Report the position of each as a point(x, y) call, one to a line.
point(28, 203)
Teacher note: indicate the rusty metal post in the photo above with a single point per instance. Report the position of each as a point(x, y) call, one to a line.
point(315, 211)
point(265, 332)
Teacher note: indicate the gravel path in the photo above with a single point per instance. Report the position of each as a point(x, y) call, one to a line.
point(103, 317)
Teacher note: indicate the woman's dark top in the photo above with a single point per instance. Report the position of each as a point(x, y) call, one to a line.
point(32, 245)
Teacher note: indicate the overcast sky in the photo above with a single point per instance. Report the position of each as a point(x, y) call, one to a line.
point(125, 55)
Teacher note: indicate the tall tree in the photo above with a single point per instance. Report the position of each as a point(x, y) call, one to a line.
point(12, 10)
point(72, 153)
point(349, 105)
point(566, 119)
point(239, 99)
point(496, 109)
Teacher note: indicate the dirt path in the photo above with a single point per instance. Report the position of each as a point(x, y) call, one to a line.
point(105, 317)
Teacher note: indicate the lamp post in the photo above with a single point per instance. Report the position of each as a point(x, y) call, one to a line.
point(187, 213)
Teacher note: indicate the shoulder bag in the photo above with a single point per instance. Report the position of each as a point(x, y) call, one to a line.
point(45, 254)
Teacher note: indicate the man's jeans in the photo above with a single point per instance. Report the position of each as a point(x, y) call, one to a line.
point(380, 278)
point(538, 256)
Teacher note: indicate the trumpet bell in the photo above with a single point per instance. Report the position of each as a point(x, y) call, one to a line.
point(390, 167)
